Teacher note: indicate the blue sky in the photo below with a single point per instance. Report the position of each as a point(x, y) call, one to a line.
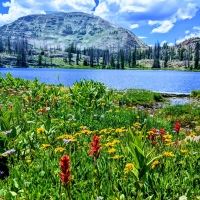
point(150, 20)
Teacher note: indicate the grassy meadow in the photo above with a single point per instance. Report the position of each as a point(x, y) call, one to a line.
point(90, 142)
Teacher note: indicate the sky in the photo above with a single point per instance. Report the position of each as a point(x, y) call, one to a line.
point(162, 21)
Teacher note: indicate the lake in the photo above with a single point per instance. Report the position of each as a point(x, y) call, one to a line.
point(154, 80)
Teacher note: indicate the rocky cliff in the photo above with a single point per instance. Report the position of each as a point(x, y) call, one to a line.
point(62, 29)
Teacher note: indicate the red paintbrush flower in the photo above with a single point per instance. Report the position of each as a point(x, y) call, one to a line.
point(65, 167)
point(95, 147)
point(177, 127)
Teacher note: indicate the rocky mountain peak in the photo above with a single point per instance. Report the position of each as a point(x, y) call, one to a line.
point(85, 30)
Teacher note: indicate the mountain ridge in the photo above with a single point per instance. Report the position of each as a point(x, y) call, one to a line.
point(86, 30)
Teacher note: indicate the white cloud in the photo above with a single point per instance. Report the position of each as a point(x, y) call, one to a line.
point(164, 27)
point(187, 12)
point(162, 13)
point(142, 37)
point(188, 37)
point(171, 44)
point(187, 31)
point(163, 42)
point(196, 28)
point(134, 26)
point(19, 8)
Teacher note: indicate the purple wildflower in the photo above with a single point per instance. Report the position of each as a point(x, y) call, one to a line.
point(6, 132)
point(8, 152)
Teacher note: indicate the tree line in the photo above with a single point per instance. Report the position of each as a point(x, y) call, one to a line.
point(24, 54)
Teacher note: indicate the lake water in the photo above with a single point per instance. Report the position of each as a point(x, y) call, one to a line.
point(154, 80)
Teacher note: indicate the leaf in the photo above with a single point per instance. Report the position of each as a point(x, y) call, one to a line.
point(42, 173)
point(15, 183)
point(3, 192)
point(13, 193)
point(4, 124)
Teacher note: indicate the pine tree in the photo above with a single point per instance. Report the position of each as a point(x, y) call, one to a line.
point(133, 60)
point(112, 62)
point(122, 59)
point(196, 56)
point(77, 57)
point(156, 61)
point(1, 45)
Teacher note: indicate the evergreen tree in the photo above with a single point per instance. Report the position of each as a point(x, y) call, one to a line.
point(91, 50)
point(112, 62)
point(122, 59)
point(196, 56)
point(8, 46)
point(156, 61)
point(1, 45)
point(70, 55)
point(133, 62)
point(40, 59)
point(77, 57)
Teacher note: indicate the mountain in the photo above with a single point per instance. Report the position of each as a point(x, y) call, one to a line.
point(85, 30)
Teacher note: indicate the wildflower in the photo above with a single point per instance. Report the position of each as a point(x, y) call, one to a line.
point(59, 149)
point(1, 172)
point(23, 101)
point(155, 163)
point(6, 132)
point(45, 146)
point(115, 157)
point(116, 141)
point(109, 144)
point(95, 147)
point(40, 130)
point(8, 152)
point(65, 167)
point(161, 131)
point(183, 198)
point(28, 160)
point(192, 134)
point(137, 124)
point(128, 168)
point(112, 150)
point(168, 154)
point(29, 99)
point(177, 127)
point(184, 150)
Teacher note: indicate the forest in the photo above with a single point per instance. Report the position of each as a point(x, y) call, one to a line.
point(20, 53)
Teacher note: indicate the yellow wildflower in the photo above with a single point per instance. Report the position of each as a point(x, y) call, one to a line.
point(115, 157)
point(109, 144)
point(28, 161)
point(112, 150)
point(136, 124)
point(184, 150)
point(116, 141)
point(117, 111)
point(45, 146)
point(156, 162)
point(192, 134)
point(59, 149)
point(40, 130)
point(181, 162)
point(169, 154)
point(167, 136)
point(128, 168)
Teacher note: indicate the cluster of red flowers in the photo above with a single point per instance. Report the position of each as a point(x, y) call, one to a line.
point(177, 127)
point(154, 133)
point(95, 147)
point(65, 167)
